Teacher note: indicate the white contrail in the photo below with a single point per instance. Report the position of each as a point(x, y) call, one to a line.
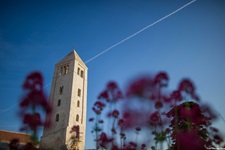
point(46, 85)
point(14, 105)
point(127, 38)
point(7, 109)
point(120, 42)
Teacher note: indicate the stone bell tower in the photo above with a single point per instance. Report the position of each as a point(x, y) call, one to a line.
point(69, 97)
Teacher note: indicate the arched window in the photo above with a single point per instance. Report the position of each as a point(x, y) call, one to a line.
point(59, 102)
point(77, 118)
point(57, 117)
point(78, 103)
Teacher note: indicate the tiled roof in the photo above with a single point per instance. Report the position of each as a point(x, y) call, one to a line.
point(7, 136)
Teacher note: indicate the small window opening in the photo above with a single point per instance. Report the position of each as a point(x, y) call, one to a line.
point(57, 118)
point(61, 71)
point(77, 118)
point(78, 71)
point(58, 71)
point(60, 90)
point(59, 102)
point(79, 92)
point(67, 69)
point(82, 73)
point(78, 103)
point(64, 69)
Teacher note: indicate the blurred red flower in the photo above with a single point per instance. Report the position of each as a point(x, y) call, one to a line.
point(115, 113)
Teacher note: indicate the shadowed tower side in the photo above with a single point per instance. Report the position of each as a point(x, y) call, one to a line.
point(69, 97)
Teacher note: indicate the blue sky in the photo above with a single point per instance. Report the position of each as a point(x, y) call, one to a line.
point(35, 35)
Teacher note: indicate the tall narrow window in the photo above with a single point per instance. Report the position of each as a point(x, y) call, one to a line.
point(59, 102)
point(78, 71)
point(67, 69)
point(60, 90)
point(64, 69)
point(60, 70)
point(79, 92)
point(82, 73)
point(77, 118)
point(78, 103)
point(57, 117)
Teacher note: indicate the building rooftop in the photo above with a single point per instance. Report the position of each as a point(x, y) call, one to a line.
point(7, 136)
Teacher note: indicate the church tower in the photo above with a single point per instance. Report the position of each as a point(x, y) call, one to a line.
point(68, 97)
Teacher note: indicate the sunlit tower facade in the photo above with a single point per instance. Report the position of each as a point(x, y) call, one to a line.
point(69, 99)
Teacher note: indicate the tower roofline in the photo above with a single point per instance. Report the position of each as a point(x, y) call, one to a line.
point(71, 56)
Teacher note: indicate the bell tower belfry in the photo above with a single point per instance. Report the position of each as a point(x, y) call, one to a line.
point(68, 97)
